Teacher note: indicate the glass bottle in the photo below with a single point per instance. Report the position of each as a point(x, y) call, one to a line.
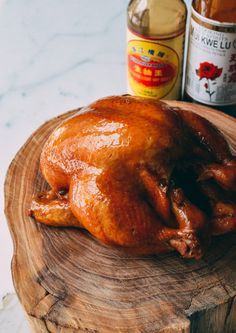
point(211, 61)
point(156, 31)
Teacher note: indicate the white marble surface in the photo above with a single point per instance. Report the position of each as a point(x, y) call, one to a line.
point(55, 55)
point(12, 318)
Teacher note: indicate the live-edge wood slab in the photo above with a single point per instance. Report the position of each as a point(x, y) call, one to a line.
point(68, 282)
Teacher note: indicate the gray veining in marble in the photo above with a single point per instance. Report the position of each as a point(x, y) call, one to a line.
point(55, 55)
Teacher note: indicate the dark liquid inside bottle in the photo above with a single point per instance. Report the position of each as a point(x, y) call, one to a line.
point(223, 13)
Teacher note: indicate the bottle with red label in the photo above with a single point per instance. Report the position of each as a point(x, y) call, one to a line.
point(211, 61)
point(156, 31)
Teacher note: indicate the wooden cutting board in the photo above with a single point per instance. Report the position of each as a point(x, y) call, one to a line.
point(68, 282)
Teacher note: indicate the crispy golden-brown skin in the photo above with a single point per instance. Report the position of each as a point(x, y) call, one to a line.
point(138, 174)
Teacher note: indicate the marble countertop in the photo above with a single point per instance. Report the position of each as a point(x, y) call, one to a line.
point(55, 56)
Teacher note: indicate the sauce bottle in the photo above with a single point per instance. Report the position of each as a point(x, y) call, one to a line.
point(156, 31)
point(211, 61)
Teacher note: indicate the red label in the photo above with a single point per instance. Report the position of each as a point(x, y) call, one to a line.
point(149, 72)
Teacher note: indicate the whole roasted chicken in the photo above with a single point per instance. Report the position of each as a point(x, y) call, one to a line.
point(140, 175)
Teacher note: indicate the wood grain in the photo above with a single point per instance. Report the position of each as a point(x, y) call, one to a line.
point(68, 282)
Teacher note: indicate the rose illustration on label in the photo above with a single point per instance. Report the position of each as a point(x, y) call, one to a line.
point(210, 72)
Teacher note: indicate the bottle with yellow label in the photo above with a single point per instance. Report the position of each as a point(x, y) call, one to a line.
point(156, 31)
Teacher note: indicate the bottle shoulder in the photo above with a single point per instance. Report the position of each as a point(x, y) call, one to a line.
point(220, 11)
point(157, 18)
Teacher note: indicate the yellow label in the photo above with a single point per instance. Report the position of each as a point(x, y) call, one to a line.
point(155, 66)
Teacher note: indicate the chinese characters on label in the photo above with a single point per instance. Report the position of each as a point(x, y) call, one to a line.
point(211, 65)
point(232, 69)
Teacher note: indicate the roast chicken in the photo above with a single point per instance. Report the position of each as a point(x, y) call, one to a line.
point(139, 175)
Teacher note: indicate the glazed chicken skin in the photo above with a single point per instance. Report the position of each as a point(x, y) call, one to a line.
point(140, 175)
